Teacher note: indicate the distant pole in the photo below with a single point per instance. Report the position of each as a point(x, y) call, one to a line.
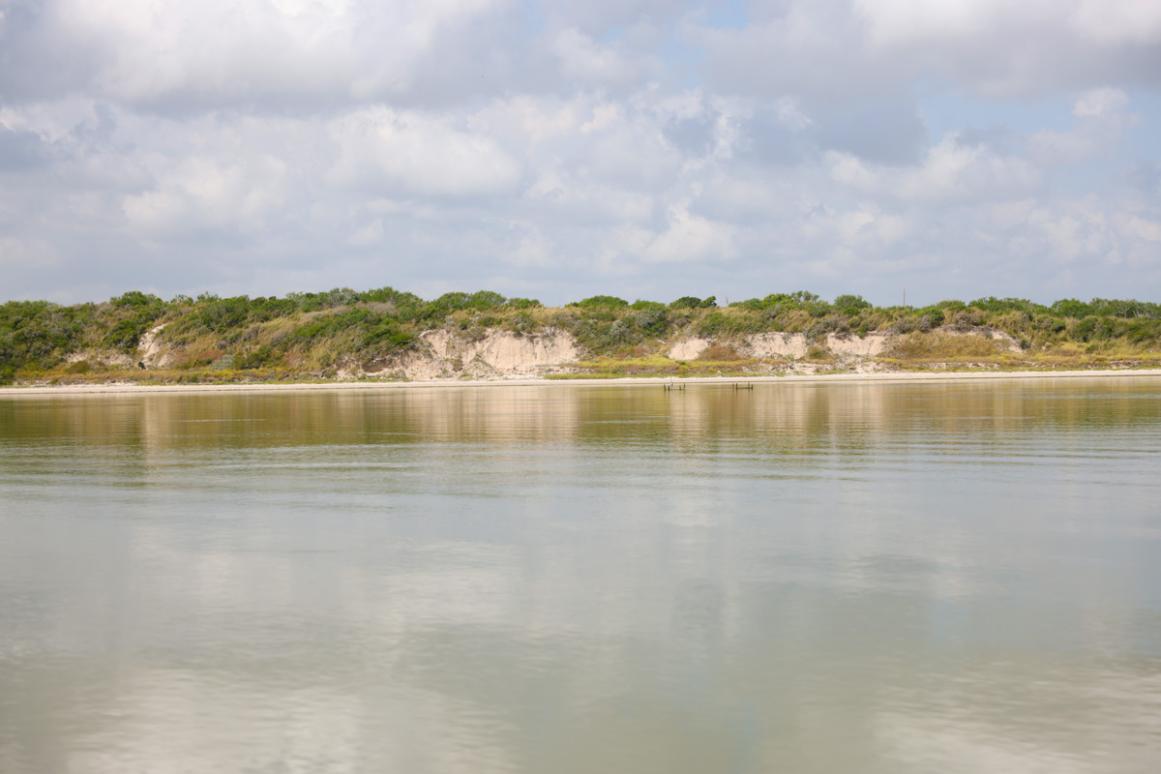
point(904, 296)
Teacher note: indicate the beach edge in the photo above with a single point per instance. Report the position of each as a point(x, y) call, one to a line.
point(892, 377)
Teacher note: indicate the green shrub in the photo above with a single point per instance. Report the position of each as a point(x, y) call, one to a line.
point(222, 314)
point(262, 357)
point(388, 335)
point(406, 305)
point(693, 302)
point(652, 322)
point(850, 305)
point(522, 323)
point(730, 323)
point(135, 299)
point(1070, 307)
point(601, 302)
point(322, 328)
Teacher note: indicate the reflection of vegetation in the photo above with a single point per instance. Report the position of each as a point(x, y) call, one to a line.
point(319, 334)
point(724, 363)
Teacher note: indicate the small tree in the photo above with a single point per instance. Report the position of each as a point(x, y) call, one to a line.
point(850, 305)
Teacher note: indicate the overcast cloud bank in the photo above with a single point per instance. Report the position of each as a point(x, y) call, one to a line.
point(643, 147)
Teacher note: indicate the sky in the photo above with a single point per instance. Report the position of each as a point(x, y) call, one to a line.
point(643, 148)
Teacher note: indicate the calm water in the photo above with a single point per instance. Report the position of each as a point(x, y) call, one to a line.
point(839, 578)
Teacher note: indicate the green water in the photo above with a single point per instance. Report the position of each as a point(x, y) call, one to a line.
point(798, 578)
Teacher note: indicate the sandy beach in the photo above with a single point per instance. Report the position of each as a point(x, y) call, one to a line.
point(125, 388)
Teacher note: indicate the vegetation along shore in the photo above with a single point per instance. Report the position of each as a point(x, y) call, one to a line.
point(388, 335)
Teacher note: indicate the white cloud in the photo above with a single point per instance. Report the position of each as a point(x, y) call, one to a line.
point(845, 49)
point(790, 114)
point(443, 144)
point(850, 170)
point(1109, 22)
point(215, 50)
point(687, 237)
point(1099, 103)
point(532, 249)
point(202, 194)
point(1145, 229)
point(419, 154)
point(26, 252)
point(894, 22)
point(369, 234)
point(582, 58)
point(950, 170)
point(1102, 120)
point(953, 169)
point(1118, 22)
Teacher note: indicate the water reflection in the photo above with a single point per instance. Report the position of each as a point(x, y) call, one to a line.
point(803, 578)
point(837, 414)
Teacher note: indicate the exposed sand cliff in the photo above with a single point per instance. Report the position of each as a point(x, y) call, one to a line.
point(775, 345)
point(501, 354)
point(153, 351)
point(849, 350)
point(443, 354)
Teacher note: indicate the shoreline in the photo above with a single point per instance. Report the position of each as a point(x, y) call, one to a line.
point(893, 377)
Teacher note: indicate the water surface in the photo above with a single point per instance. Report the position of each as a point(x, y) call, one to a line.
point(801, 578)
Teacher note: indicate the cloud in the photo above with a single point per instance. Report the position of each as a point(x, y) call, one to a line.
point(1134, 22)
point(835, 47)
point(950, 170)
point(203, 195)
point(151, 51)
point(21, 150)
point(586, 61)
point(418, 154)
point(24, 253)
point(559, 150)
point(954, 169)
point(1102, 120)
point(689, 237)
point(1098, 103)
point(1144, 229)
point(897, 22)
